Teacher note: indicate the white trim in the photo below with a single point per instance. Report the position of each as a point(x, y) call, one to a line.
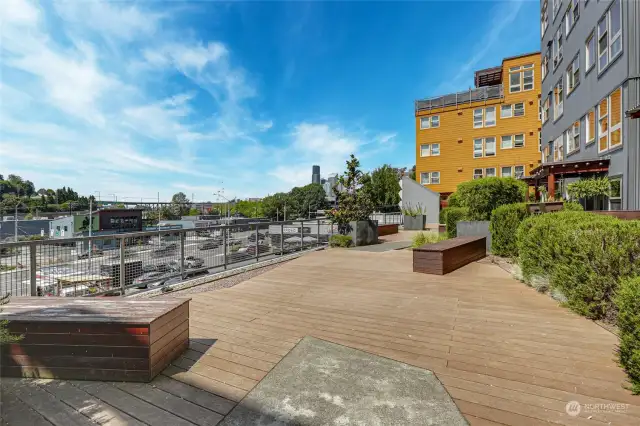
point(486, 172)
point(476, 124)
point(478, 175)
point(425, 147)
point(495, 116)
point(515, 109)
point(590, 53)
point(523, 140)
point(425, 123)
point(502, 142)
point(502, 171)
point(515, 173)
point(509, 108)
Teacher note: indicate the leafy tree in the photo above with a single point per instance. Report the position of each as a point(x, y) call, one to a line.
point(194, 211)
point(249, 208)
point(384, 188)
point(180, 204)
point(354, 201)
point(412, 173)
point(482, 196)
point(274, 206)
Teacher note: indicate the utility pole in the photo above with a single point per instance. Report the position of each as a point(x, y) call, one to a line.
point(90, 227)
point(15, 217)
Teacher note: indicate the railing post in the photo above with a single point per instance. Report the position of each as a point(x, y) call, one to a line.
point(318, 234)
point(301, 235)
point(123, 273)
point(182, 237)
point(32, 269)
point(282, 239)
point(257, 240)
point(224, 247)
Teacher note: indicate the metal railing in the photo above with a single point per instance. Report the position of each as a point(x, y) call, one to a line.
point(121, 264)
point(395, 218)
point(479, 94)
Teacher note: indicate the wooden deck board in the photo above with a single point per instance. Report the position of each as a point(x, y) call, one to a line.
point(507, 354)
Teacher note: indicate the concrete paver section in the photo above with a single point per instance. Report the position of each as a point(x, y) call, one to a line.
point(321, 383)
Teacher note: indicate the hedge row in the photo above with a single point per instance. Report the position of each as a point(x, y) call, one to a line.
point(583, 255)
point(504, 224)
point(452, 216)
point(628, 303)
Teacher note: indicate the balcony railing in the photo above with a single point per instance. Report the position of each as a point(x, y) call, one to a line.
point(480, 94)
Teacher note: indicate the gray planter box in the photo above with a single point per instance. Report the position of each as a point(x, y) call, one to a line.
point(364, 232)
point(475, 228)
point(415, 223)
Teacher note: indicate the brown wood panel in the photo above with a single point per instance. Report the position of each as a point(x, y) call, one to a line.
point(109, 363)
point(448, 255)
point(76, 373)
point(173, 351)
point(85, 339)
point(36, 351)
point(79, 327)
point(178, 329)
point(258, 364)
point(161, 323)
point(204, 382)
point(194, 394)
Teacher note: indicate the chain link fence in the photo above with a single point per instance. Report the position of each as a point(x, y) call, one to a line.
point(123, 264)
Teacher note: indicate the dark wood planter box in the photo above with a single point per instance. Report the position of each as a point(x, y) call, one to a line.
point(551, 206)
point(414, 223)
point(93, 339)
point(447, 256)
point(387, 230)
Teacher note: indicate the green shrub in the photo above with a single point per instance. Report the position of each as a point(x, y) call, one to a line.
point(482, 196)
point(442, 217)
point(584, 255)
point(339, 240)
point(503, 227)
point(628, 303)
point(453, 201)
point(422, 238)
point(572, 206)
point(452, 217)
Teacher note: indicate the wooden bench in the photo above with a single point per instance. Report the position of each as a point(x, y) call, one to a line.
point(112, 339)
point(446, 256)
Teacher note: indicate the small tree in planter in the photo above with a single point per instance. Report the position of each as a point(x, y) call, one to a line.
point(354, 202)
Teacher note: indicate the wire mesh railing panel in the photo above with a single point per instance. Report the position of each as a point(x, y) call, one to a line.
point(15, 265)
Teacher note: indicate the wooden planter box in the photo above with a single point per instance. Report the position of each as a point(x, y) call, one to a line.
point(551, 206)
point(387, 229)
point(94, 339)
point(448, 255)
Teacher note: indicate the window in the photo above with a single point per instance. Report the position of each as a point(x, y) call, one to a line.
point(545, 109)
point(615, 194)
point(545, 62)
point(518, 171)
point(557, 48)
point(505, 171)
point(66, 228)
point(573, 74)
point(539, 109)
point(573, 138)
point(610, 121)
point(477, 173)
point(518, 140)
point(430, 178)
point(506, 142)
point(490, 172)
point(477, 148)
point(590, 52)
point(518, 109)
point(477, 118)
point(556, 7)
point(572, 15)
point(590, 126)
point(520, 78)
point(558, 100)
point(489, 116)
point(558, 148)
point(610, 35)
point(489, 147)
point(505, 111)
point(484, 147)
point(544, 17)
point(539, 141)
point(429, 122)
point(429, 150)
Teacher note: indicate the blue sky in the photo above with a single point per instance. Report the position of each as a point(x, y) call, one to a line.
point(136, 98)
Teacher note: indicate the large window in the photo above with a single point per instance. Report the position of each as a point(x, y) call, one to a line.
point(490, 172)
point(429, 122)
point(556, 7)
point(478, 173)
point(505, 171)
point(590, 126)
point(558, 149)
point(590, 52)
point(545, 109)
point(544, 17)
point(506, 111)
point(557, 47)
point(521, 78)
point(558, 100)
point(518, 109)
point(512, 110)
point(484, 147)
point(477, 117)
point(545, 62)
point(615, 195)
point(518, 140)
point(610, 35)
point(429, 178)
point(506, 142)
point(429, 150)
point(572, 15)
point(610, 121)
point(489, 116)
point(573, 138)
point(573, 74)
point(518, 171)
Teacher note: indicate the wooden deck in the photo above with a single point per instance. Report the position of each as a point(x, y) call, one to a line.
point(506, 354)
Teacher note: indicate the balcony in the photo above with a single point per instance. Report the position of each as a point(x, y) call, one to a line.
point(480, 94)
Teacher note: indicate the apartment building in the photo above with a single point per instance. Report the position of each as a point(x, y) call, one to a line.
point(590, 85)
point(490, 130)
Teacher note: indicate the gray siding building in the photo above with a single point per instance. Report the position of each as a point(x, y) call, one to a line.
point(590, 78)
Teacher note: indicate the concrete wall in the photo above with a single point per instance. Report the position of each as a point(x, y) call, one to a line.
point(364, 232)
point(479, 228)
point(25, 227)
point(594, 86)
point(412, 194)
point(57, 227)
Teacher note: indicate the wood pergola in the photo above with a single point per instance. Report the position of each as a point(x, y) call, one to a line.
point(549, 172)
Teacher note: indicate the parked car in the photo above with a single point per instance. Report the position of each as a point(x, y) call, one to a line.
point(190, 262)
point(210, 244)
point(150, 278)
point(252, 236)
point(261, 248)
point(160, 267)
point(94, 252)
point(164, 250)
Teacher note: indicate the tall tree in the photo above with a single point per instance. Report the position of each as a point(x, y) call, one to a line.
point(180, 204)
point(384, 188)
point(354, 200)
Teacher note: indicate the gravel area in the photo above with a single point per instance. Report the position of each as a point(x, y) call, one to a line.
point(226, 282)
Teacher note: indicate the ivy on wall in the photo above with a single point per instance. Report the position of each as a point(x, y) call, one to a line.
point(592, 187)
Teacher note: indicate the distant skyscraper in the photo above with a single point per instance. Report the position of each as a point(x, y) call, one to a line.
point(315, 174)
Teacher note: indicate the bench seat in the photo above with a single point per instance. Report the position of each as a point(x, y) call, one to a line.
point(448, 255)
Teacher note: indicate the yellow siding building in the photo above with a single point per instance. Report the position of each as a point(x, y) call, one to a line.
point(492, 130)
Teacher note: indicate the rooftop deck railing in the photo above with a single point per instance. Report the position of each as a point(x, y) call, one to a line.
point(480, 94)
